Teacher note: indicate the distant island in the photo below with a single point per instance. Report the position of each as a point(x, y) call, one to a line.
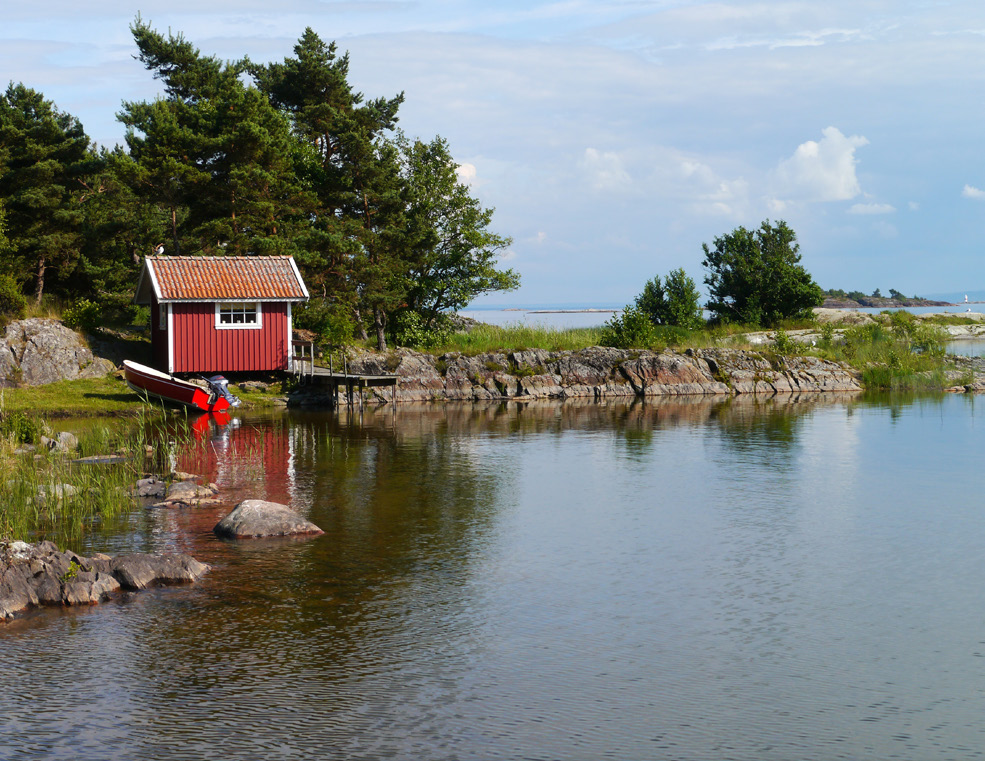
point(839, 299)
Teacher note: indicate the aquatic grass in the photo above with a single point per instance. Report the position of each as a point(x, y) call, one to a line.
point(51, 494)
point(46, 494)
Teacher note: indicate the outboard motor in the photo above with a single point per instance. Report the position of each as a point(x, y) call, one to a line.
point(220, 387)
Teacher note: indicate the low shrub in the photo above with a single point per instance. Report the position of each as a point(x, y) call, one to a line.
point(21, 428)
point(409, 329)
point(83, 314)
point(630, 330)
point(13, 303)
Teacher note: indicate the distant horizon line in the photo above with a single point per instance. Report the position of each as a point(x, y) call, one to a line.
point(955, 297)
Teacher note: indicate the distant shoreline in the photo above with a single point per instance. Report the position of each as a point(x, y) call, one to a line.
point(564, 311)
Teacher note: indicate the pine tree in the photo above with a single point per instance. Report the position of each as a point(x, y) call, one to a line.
point(349, 177)
point(43, 150)
point(213, 153)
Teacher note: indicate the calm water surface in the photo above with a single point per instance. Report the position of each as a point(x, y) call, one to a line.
point(703, 580)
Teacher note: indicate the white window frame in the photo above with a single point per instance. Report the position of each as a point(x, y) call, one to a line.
point(243, 305)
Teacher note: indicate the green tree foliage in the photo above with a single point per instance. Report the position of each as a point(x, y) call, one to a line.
point(452, 254)
point(4, 242)
point(342, 163)
point(118, 230)
point(391, 229)
point(652, 301)
point(43, 153)
point(213, 153)
point(675, 302)
point(632, 329)
point(12, 301)
point(239, 158)
point(755, 276)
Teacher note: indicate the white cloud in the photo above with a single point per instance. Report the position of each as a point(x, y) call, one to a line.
point(821, 171)
point(466, 173)
point(885, 230)
point(605, 170)
point(872, 208)
point(970, 191)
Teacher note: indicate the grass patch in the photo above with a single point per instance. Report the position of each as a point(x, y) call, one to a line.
point(492, 339)
point(902, 354)
point(94, 396)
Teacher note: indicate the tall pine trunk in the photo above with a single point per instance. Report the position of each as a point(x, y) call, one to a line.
point(174, 231)
point(361, 326)
point(379, 323)
point(39, 288)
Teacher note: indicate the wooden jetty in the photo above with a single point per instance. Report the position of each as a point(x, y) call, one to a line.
point(304, 367)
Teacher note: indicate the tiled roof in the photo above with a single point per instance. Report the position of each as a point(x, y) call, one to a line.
point(197, 278)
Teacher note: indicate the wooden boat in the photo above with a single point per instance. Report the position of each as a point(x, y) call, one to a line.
point(147, 381)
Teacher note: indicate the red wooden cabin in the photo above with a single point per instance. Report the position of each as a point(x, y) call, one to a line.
point(217, 314)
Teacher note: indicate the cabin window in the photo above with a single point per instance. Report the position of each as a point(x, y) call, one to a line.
point(162, 317)
point(239, 314)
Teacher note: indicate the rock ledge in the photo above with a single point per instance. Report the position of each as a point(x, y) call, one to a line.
point(40, 574)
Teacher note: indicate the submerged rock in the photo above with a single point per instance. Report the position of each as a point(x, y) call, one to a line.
point(40, 574)
point(139, 571)
point(258, 518)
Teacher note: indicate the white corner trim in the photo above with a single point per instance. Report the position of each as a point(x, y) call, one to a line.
point(153, 278)
point(170, 340)
point(290, 348)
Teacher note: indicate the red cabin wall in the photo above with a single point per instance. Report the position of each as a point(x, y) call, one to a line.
point(200, 347)
point(158, 336)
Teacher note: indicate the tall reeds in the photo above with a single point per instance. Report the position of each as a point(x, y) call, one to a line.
point(46, 493)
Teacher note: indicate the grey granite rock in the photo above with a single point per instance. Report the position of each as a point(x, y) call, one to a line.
point(40, 574)
point(258, 518)
point(37, 351)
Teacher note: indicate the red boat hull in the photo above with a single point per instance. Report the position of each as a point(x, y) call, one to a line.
point(150, 382)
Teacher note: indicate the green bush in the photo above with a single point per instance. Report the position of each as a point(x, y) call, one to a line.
point(675, 302)
point(21, 428)
point(83, 314)
point(12, 302)
point(630, 330)
point(408, 329)
point(783, 343)
point(332, 322)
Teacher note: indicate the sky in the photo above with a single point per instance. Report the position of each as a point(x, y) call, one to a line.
point(615, 137)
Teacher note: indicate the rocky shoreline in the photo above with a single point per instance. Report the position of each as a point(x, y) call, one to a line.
point(38, 575)
point(593, 373)
point(33, 575)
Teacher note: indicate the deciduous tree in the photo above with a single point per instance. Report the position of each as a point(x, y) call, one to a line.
point(674, 302)
point(755, 276)
point(452, 253)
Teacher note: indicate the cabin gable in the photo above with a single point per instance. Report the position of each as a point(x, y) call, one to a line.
point(220, 314)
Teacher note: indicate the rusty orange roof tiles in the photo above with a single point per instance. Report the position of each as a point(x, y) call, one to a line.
point(215, 278)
